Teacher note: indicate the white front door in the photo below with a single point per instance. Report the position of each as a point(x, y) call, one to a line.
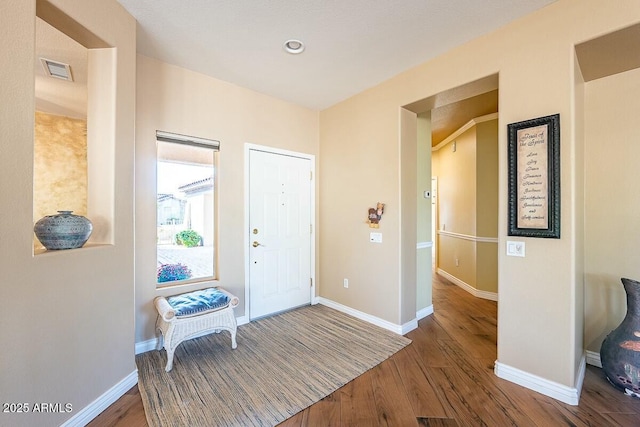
point(280, 232)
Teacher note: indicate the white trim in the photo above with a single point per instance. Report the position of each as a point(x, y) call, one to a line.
point(464, 128)
point(492, 296)
point(593, 358)
point(568, 395)
point(424, 312)
point(424, 245)
point(398, 329)
point(148, 345)
point(195, 141)
point(468, 237)
point(242, 320)
point(582, 371)
point(92, 410)
point(408, 327)
point(247, 237)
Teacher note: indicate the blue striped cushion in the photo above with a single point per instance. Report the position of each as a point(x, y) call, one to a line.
point(198, 302)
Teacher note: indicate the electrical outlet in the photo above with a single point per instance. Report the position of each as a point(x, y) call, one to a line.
point(345, 283)
point(375, 237)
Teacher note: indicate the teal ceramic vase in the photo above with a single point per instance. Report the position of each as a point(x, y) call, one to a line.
point(63, 231)
point(620, 351)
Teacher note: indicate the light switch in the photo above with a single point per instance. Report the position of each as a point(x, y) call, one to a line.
point(515, 249)
point(427, 194)
point(375, 237)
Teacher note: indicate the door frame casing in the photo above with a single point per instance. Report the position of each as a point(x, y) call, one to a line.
point(248, 147)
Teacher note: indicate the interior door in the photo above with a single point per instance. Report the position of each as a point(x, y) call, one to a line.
point(280, 232)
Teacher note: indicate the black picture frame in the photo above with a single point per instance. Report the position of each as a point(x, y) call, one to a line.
point(534, 177)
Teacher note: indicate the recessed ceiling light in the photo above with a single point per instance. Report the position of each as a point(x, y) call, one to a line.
point(294, 46)
point(56, 69)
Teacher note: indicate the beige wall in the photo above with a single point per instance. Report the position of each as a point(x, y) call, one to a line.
point(408, 214)
point(457, 207)
point(487, 206)
point(359, 166)
point(67, 322)
point(59, 166)
point(468, 206)
point(424, 238)
point(612, 200)
point(487, 178)
point(578, 172)
point(457, 183)
point(361, 159)
point(176, 100)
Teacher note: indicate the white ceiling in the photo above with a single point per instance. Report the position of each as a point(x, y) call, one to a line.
point(351, 45)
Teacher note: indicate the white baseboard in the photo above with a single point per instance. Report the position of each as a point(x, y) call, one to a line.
point(398, 329)
point(421, 314)
point(148, 345)
point(582, 371)
point(467, 287)
point(568, 395)
point(92, 410)
point(242, 320)
point(408, 327)
point(593, 358)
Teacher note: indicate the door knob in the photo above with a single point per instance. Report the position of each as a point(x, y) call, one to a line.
point(256, 244)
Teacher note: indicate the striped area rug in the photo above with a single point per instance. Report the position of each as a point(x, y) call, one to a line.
point(282, 365)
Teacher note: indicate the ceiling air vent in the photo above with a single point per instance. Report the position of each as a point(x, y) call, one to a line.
point(57, 69)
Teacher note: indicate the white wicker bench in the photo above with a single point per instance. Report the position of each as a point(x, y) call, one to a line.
point(176, 326)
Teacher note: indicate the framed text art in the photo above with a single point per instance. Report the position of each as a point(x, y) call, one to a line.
point(534, 177)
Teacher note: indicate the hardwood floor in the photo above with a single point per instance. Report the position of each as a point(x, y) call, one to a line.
point(444, 378)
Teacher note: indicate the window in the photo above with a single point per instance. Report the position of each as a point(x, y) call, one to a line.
point(186, 208)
